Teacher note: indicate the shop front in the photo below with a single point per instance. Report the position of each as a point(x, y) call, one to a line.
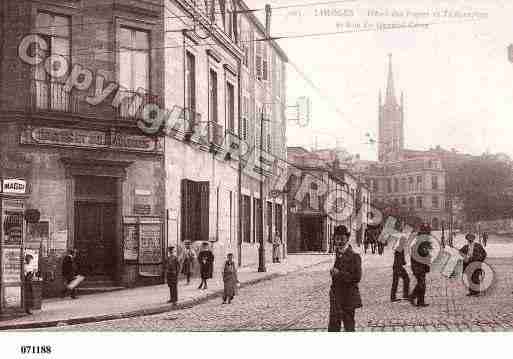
point(99, 192)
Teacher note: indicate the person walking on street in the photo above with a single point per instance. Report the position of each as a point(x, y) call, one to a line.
point(188, 261)
point(472, 252)
point(345, 275)
point(69, 271)
point(419, 267)
point(398, 271)
point(230, 279)
point(173, 268)
point(485, 239)
point(206, 262)
point(276, 247)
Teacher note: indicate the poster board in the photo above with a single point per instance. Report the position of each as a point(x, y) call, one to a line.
point(12, 297)
point(130, 241)
point(150, 243)
point(11, 265)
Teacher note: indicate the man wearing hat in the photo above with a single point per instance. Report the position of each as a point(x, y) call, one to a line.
point(173, 268)
point(472, 252)
point(345, 275)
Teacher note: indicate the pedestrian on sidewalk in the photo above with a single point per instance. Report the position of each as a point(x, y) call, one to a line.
point(206, 262)
point(398, 271)
point(276, 247)
point(188, 261)
point(419, 259)
point(485, 239)
point(345, 275)
point(173, 268)
point(69, 271)
point(230, 279)
point(27, 283)
point(473, 252)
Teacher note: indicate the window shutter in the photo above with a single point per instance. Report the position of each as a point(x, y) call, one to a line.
point(259, 60)
point(187, 210)
point(265, 63)
point(203, 213)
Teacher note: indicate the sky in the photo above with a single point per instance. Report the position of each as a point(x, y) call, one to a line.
point(454, 72)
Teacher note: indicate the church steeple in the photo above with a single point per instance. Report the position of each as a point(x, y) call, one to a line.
point(390, 120)
point(390, 94)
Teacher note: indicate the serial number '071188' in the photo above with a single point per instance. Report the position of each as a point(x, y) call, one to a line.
point(36, 349)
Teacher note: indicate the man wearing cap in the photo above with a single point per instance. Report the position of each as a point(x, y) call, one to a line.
point(420, 257)
point(345, 274)
point(472, 252)
point(398, 270)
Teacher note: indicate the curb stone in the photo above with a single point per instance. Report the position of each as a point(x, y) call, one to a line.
point(147, 311)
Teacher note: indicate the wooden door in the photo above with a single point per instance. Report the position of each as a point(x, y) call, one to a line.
point(95, 233)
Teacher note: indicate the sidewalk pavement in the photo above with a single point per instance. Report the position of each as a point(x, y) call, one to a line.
point(149, 300)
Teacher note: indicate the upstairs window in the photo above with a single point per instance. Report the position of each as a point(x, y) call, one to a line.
point(265, 62)
point(259, 60)
point(134, 59)
point(434, 182)
point(245, 117)
point(230, 106)
point(213, 104)
point(190, 82)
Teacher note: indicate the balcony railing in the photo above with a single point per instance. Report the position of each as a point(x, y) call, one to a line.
point(215, 136)
point(52, 96)
point(133, 103)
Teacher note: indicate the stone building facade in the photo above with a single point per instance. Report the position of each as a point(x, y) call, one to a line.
point(96, 179)
point(110, 175)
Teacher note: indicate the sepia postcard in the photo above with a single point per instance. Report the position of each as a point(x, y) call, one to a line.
point(192, 167)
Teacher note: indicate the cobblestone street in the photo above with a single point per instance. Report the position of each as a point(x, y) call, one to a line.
point(299, 301)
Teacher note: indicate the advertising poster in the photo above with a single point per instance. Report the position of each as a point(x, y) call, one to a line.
point(12, 297)
point(11, 265)
point(150, 244)
point(130, 242)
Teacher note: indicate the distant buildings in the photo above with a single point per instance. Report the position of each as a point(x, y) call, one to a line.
point(322, 195)
point(411, 182)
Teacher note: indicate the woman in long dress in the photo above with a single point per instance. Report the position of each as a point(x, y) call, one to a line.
point(230, 279)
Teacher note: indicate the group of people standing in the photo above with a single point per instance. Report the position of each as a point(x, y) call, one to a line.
point(472, 252)
point(205, 259)
point(346, 274)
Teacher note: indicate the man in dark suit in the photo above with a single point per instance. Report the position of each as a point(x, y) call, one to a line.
point(472, 252)
point(346, 274)
point(69, 271)
point(398, 271)
point(206, 262)
point(172, 270)
point(419, 265)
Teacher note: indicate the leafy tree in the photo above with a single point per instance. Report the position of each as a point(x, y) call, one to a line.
point(483, 184)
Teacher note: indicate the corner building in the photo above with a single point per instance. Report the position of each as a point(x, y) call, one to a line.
point(97, 180)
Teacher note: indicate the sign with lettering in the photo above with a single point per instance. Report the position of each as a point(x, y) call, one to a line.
point(130, 242)
point(150, 243)
point(11, 265)
point(71, 137)
point(90, 139)
point(132, 142)
point(17, 186)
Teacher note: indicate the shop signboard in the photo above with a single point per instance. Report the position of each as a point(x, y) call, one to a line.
point(16, 186)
